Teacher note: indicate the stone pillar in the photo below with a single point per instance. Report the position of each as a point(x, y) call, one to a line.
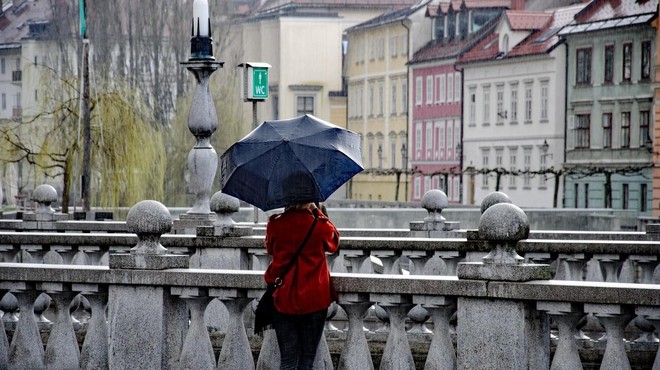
point(147, 324)
point(498, 333)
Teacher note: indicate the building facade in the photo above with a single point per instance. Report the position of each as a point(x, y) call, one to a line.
point(378, 95)
point(514, 109)
point(610, 106)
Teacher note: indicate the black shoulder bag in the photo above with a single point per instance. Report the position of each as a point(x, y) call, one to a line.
point(264, 315)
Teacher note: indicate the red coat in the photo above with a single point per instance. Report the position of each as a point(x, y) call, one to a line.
point(306, 286)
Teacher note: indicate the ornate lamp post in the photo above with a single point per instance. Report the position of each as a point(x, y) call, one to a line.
point(202, 121)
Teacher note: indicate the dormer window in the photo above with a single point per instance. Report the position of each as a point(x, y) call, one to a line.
point(505, 44)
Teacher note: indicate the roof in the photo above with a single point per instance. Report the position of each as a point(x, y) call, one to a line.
point(439, 50)
point(608, 14)
point(391, 16)
point(599, 10)
point(542, 39)
point(16, 20)
point(527, 21)
point(455, 5)
point(279, 5)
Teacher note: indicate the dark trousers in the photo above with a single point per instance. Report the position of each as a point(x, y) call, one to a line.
point(298, 337)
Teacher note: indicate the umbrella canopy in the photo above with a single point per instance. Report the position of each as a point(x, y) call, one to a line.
point(285, 162)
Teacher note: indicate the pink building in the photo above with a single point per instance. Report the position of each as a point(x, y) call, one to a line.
point(437, 94)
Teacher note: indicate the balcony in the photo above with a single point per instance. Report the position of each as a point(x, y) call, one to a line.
point(464, 301)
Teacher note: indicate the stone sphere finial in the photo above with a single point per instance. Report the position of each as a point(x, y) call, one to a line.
point(149, 219)
point(494, 198)
point(224, 205)
point(44, 195)
point(434, 201)
point(503, 225)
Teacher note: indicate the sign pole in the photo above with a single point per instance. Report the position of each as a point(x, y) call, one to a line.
point(254, 125)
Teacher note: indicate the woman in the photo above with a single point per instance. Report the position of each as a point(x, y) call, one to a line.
point(303, 299)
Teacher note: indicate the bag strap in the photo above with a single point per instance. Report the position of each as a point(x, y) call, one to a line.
point(279, 280)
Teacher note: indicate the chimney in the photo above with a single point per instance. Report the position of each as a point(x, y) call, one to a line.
point(517, 4)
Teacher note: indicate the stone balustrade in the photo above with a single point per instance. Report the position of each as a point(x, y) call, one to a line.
point(158, 291)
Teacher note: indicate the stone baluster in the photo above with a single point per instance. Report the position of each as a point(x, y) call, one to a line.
point(146, 313)
point(353, 259)
point(614, 318)
point(197, 351)
point(355, 354)
point(451, 260)
point(652, 315)
point(397, 353)
point(9, 305)
point(647, 265)
point(236, 353)
point(26, 350)
point(269, 356)
point(611, 263)
point(4, 343)
point(94, 352)
point(419, 260)
point(566, 315)
point(62, 347)
point(441, 354)
point(388, 258)
point(570, 266)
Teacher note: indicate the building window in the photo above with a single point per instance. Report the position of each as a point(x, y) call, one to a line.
point(607, 130)
point(644, 120)
point(418, 90)
point(393, 44)
point(429, 89)
point(582, 128)
point(512, 167)
point(457, 87)
point(486, 105)
point(484, 165)
point(645, 73)
point(627, 61)
point(450, 89)
point(418, 140)
point(381, 98)
point(527, 178)
point(609, 64)
point(450, 143)
point(500, 104)
point(586, 195)
point(404, 96)
point(393, 97)
point(528, 102)
point(625, 129)
point(643, 198)
point(514, 103)
point(472, 108)
point(2, 65)
point(438, 91)
point(4, 101)
point(371, 98)
point(542, 166)
point(404, 45)
point(417, 184)
point(576, 190)
point(305, 105)
point(583, 67)
point(544, 100)
point(429, 140)
point(498, 157)
point(442, 88)
point(625, 197)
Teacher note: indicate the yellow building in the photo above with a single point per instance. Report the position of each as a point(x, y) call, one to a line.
point(378, 83)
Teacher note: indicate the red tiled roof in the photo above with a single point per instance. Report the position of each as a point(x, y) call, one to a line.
point(487, 49)
point(599, 10)
point(436, 9)
point(527, 21)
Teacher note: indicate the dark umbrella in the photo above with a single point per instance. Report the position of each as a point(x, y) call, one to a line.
point(283, 162)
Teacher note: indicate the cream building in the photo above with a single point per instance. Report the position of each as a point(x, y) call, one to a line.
point(378, 98)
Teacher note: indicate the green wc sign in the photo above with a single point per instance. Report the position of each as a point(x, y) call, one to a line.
point(255, 81)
